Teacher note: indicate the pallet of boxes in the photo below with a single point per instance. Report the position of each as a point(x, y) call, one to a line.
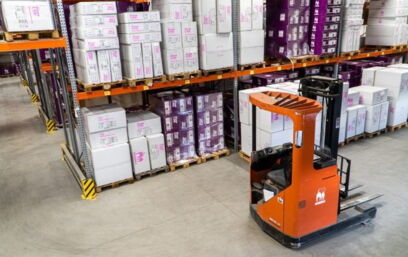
point(180, 42)
point(30, 20)
point(95, 44)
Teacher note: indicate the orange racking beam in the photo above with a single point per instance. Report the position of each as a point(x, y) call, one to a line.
point(21, 45)
point(179, 83)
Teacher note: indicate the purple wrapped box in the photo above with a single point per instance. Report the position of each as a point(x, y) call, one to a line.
point(211, 145)
point(208, 102)
point(168, 106)
point(269, 78)
point(180, 153)
point(178, 122)
point(180, 138)
point(209, 117)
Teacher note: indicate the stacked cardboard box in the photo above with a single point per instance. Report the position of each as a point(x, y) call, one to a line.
point(209, 116)
point(177, 114)
point(396, 81)
point(107, 141)
point(180, 42)
point(387, 23)
point(251, 33)
point(352, 26)
point(214, 20)
point(23, 16)
point(140, 37)
point(95, 42)
point(356, 115)
point(287, 28)
point(146, 141)
point(375, 100)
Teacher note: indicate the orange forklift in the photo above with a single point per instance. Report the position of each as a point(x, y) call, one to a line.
point(299, 191)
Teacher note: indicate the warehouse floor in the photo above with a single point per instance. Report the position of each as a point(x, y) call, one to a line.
point(200, 211)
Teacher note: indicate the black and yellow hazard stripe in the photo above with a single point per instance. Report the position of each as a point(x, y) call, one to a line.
point(35, 98)
point(24, 82)
point(50, 126)
point(88, 189)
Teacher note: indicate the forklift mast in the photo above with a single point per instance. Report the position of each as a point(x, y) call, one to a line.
point(329, 92)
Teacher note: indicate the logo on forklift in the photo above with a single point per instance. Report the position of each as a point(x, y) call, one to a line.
point(321, 196)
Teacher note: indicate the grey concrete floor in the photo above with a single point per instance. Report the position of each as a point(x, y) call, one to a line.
point(200, 211)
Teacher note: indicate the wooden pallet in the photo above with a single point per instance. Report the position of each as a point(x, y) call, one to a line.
point(376, 134)
point(105, 86)
point(184, 164)
point(184, 75)
point(355, 138)
point(145, 82)
point(215, 155)
point(251, 66)
point(30, 35)
point(326, 56)
point(218, 71)
point(398, 127)
point(352, 53)
point(151, 173)
point(244, 156)
point(303, 59)
point(115, 184)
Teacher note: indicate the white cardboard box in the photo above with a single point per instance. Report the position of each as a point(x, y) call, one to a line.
point(189, 34)
point(266, 139)
point(176, 12)
point(27, 15)
point(92, 44)
point(140, 38)
point(142, 27)
point(132, 61)
point(135, 17)
point(245, 15)
point(394, 79)
point(353, 98)
point(343, 127)
point(143, 123)
point(157, 151)
point(344, 97)
point(399, 66)
point(111, 164)
point(106, 7)
point(95, 20)
point(157, 60)
point(147, 60)
point(245, 107)
point(384, 115)
point(107, 138)
point(140, 155)
point(351, 121)
point(257, 14)
point(361, 119)
point(104, 66)
point(373, 118)
point(268, 121)
point(86, 66)
point(172, 38)
point(224, 16)
point(246, 138)
point(398, 110)
point(368, 78)
point(104, 117)
point(216, 51)
point(205, 13)
point(95, 32)
point(115, 65)
point(173, 61)
point(190, 56)
point(251, 47)
point(371, 95)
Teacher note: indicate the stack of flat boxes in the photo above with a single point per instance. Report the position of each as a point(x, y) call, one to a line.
point(214, 20)
point(395, 79)
point(180, 42)
point(387, 23)
point(343, 113)
point(107, 141)
point(353, 25)
point(177, 116)
point(287, 28)
point(352, 71)
point(251, 33)
point(146, 141)
point(356, 115)
point(375, 100)
point(274, 77)
point(140, 37)
point(95, 42)
point(209, 123)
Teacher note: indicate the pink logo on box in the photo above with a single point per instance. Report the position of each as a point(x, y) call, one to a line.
point(207, 20)
point(111, 20)
point(138, 157)
point(140, 125)
point(178, 15)
point(35, 11)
